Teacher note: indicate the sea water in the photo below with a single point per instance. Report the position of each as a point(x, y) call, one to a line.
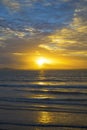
point(43, 100)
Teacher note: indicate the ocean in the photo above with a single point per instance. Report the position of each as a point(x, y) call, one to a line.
point(43, 100)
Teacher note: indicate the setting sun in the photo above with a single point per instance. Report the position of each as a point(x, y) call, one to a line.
point(42, 61)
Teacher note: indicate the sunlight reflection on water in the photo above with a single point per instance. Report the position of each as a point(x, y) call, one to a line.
point(44, 117)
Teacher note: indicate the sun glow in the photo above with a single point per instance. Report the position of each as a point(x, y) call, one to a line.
point(41, 61)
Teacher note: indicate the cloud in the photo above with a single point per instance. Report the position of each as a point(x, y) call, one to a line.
point(19, 17)
point(71, 40)
point(12, 5)
point(58, 28)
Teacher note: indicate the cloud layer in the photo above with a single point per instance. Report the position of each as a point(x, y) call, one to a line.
point(58, 28)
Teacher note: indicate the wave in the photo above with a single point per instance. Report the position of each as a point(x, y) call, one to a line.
point(27, 96)
point(44, 125)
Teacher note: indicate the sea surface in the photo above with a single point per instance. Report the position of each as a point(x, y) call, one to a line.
point(43, 100)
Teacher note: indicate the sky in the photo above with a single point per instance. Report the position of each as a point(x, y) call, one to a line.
point(54, 30)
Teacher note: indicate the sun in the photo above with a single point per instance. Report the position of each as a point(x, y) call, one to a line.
point(41, 61)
